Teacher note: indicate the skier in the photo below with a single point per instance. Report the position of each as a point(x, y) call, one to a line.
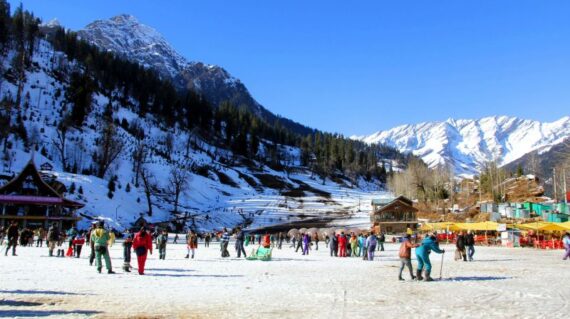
point(381, 241)
point(333, 245)
point(127, 245)
point(225, 243)
point(78, 243)
point(566, 242)
point(142, 243)
point(406, 256)
point(422, 255)
point(460, 245)
point(240, 237)
point(306, 243)
point(470, 242)
point(191, 243)
point(100, 238)
point(161, 242)
point(341, 245)
point(371, 243)
point(52, 238)
point(12, 237)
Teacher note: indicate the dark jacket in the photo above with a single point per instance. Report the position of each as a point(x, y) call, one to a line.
point(470, 240)
point(12, 232)
point(460, 244)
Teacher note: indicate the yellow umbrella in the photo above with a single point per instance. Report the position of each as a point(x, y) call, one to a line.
point(544, 226)
point(482, 226)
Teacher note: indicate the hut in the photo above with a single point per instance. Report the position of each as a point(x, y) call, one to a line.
point(35, 202)
point(395, 216)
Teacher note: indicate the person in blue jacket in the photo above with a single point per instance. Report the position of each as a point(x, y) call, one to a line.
point(422, 255)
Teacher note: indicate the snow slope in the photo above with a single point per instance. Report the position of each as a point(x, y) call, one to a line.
point(209, 202)
point(467, 144)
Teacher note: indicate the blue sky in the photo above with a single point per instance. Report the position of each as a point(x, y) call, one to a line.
point(362, 66)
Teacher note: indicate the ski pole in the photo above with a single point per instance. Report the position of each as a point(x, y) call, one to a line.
point(441, 268)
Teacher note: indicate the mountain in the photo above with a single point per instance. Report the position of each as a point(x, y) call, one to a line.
point(126, 36)
point(467, 144)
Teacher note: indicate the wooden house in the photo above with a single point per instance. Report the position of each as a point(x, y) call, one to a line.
point(36, 202)
point(394, 216)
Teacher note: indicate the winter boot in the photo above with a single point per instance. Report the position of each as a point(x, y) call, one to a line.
point(111, 272)
point(187, 256)
point(419, 275)
point(126, 267)
point(99, 269)
point(400, 278)
point(427, 277)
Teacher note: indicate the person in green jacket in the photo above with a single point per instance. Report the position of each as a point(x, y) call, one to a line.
point(100, 238)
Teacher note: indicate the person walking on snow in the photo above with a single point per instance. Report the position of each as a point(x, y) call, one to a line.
point(161, 242)
point(406, 256)
point(381, 241)
point(191, 243)
point(240, 238)
point(12, 237)
point(333, 245)
point(142, 244)
point(225, 243)
point(422, 255)
point(460, 245)
point(127, 245)
point(362, 247)
point(52, 238)
point(100, 238)
point(470, 243)
point(306, 243)
point(78, 243)
point(566, 242)
point(371, 243)
point(354, 245)
point(342, 245)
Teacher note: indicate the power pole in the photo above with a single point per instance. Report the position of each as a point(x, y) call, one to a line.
point(554, 183)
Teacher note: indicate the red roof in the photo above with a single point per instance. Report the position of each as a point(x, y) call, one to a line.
point(37, 200)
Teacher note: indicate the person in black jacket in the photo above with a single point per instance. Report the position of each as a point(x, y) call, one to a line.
point(333, 245)
point(12, 236)
point(381, 241)
point(240, 238)
point(460, 245)
point(470, 243)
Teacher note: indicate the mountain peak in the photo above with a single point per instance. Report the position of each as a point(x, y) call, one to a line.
point(124, 18)
point(467, 144)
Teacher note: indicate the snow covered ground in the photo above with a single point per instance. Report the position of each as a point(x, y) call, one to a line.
point(501, 283)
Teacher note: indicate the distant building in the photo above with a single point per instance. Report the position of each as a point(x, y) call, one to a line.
point(393, 216)
point(34, 202)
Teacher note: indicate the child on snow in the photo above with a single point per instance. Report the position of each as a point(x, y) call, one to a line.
point(161, 244)
point(127, 245)
point(78, 243)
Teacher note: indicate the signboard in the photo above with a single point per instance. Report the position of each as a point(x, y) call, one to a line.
point(502, 227)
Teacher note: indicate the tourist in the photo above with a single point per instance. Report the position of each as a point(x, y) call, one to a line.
point(406, 256)
point(460, 245)
point(91, 244)
point(306, 243)
point(225, 243)
point(41, 234)
point(191, 243)
point(327, 240)
point(333, 245)
point(341, 245)
point(100, 238)
point(354, 245)
point(371, 243)
point(240, 238)
point(127, 245)
point(142, 244)
point(381, 241)
point(78, 243)
point(422, 255)
point(316, 241)
point(566, 242)
point(71, 233)
point(12, 237)
point(280, 238)
point(175, 239)
point(362, 246)
point(266, 241)
point(470, 243)
point(299, 239)
point(161, 242)
point(53, 237)
point(207, 240)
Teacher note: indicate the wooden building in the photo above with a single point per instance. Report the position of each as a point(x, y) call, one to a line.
point(36, 200)
point(394, 216)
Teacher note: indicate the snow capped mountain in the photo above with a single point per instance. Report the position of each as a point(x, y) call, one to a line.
point(467, 144)
point(127, 37)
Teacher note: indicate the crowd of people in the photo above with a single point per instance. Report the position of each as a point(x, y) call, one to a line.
point(143, 240)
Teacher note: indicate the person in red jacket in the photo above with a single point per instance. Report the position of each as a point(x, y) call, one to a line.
point(342, 245)
point(142, 243)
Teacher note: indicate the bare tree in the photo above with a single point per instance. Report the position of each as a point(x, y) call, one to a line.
point(149, 185)
point(169, 143)
point(109, 149)
point(139, 158)
point(178, 180)
point(60, 143)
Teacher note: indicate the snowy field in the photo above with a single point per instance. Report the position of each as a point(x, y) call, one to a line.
point(500, 283)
